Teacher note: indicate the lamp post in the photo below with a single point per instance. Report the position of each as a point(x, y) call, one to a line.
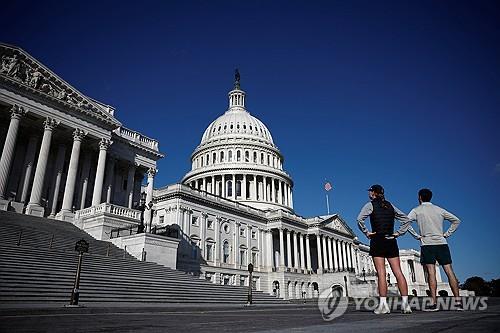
point(142, 208)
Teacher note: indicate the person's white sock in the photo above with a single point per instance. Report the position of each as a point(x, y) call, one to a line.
point(405, 300)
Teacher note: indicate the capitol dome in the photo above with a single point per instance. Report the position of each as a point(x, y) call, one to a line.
point(238, 160)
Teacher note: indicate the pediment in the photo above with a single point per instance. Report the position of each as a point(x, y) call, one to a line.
point(23, 71)
point(335, 222)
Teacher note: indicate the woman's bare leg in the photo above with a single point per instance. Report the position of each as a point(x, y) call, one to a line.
point(400, 278)
point(379, 263)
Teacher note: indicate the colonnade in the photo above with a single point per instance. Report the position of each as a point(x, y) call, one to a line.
point(81, 171)
point(237, 186)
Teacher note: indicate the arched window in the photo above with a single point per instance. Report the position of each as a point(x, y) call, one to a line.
point(238, 156)
point(230, 156)
point(261, 158)
point(208, 159)
point(255, 157)
point(214, 158)
point(202, 161)
point(268, 160)
point(247, 156)
point(222, 156)
point(226, 252)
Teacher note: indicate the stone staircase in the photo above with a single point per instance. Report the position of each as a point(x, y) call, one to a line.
point(38, 264)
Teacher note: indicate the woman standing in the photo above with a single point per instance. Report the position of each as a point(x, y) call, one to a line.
point(383, 244)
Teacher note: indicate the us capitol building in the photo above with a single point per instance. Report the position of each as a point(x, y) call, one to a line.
point(66, 156)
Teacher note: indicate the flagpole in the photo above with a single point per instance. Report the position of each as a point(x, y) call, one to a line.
point(327, 204)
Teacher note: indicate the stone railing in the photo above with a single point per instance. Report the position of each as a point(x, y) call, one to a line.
point(108, 209)
point(137, 137)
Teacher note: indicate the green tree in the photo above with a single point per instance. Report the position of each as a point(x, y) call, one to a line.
point(495, 287)
point(478, 285)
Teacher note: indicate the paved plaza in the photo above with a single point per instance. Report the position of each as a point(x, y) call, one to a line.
point(283, 318)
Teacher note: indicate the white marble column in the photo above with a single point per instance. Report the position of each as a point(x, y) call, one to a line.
point(29, 162)
point(330, 256)
point(256, 190)
point(110, 178)
point(233, 187)
point(325, 253)
point(244, 187)
point(282, 249)
point(61, 154)
point(85, 178)
point(335, 255)
point(66, 213)
point(344, 258)
point(224, 192)
point(99, 176)
point(149, 198)
point(130, 185)
point(280, 193)
point(203, 234)
point(273, 189)
point(34, 207)
point(295, 251)
point(288, 250)
point(8, 149)
point(269, 249)
point(217, 240)
point(320, 257)
point(308, 253)
point(357, 261)
point(301, 240)
point(291, 198)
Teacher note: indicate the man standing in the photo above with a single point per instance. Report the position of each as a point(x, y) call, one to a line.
point(434, 247)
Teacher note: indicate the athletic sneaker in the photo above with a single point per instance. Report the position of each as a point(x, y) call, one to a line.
point(382, 309)
point(459, 306)
point(431, 308)
point(405, 308)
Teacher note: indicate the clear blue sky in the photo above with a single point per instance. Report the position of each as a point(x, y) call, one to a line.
point(405, 94)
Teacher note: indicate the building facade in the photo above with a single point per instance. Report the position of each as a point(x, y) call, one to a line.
point(66, 156)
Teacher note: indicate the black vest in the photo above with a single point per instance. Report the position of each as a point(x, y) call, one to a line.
point(382, 219)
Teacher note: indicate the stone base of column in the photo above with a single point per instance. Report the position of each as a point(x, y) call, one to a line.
point(35, 210)
point(65, 215)
point(17, 206)
point(4, 204)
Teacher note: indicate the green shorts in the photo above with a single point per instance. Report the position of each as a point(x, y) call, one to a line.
point(429, 254)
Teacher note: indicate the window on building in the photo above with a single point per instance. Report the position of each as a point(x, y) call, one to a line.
point(247, 156)
point(222, 156)
point(214, 158)
point(210, 249)
point(261, 158)
point(238, 156)
point(242, 280)
point(161, 219)
point(202, 161)
point(210, 224)
point(255, 157)
point(242, 231)
point(230, 156)
point(229, 188)
point(194, 220)
point(243, 261)
point(208, 159)
point(254, 235)
point(226, 252)
point(254, 258)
